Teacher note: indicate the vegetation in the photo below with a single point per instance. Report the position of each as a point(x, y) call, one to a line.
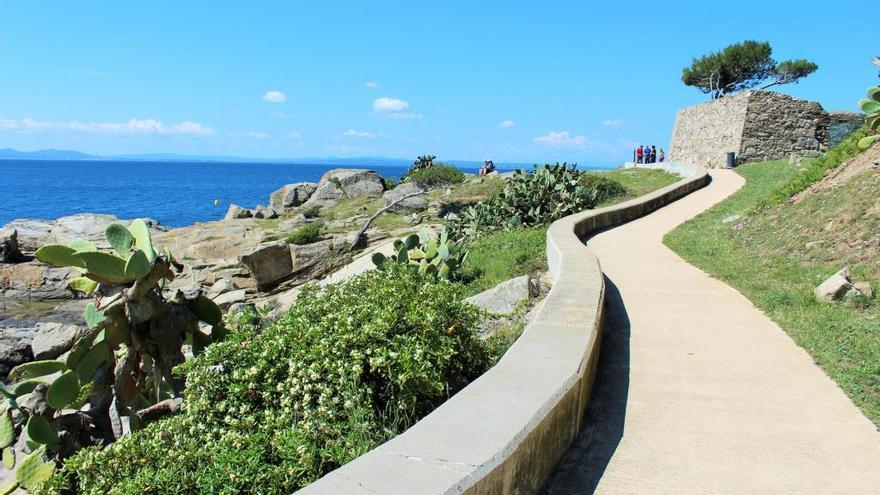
point(501, 256)
point(120, 367)
point(422, 162)
point(341, 372)
point(548, 193)
point(306, 234)
point(743, 66)
point(871, 106)
point(431, 255)
point(438, 175)
point(780, 250)
point(312, 211)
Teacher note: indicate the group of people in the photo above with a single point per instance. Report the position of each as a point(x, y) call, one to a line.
point(648, 154)
point(487, 168)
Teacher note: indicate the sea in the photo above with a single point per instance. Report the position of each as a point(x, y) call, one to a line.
point(173, 192)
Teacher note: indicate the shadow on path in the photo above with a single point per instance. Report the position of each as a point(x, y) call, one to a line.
point(582, 466)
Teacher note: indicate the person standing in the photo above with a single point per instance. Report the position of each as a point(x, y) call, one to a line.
point(653, 154)
point(639, 154)
point(661, 155)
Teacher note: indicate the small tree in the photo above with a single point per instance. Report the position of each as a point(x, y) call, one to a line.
point(743, 66)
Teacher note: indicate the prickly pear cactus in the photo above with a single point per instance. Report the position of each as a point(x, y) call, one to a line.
point(433, 255)
point(871, 106)
point(120, 364)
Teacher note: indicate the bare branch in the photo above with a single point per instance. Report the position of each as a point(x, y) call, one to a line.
point(360, 235)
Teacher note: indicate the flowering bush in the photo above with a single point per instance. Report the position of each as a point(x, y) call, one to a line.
point(345, 369)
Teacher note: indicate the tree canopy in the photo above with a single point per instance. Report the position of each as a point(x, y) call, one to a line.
point(743, 66)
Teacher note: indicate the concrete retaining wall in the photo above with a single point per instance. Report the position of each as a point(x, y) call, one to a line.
point(505, 432)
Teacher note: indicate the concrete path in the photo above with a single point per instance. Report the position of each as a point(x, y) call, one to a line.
point(699, 392)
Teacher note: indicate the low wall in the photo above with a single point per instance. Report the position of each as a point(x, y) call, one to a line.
point(505, 432)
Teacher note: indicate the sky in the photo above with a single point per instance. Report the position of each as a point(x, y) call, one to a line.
point(576, 81)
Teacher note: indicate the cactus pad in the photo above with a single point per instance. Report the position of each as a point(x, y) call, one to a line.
point(141, 234)
point(59, 255)
point(35, 369)
point(103, 267)
point(63, 390)
point(9, 458)
point(40, 431)
point(83, 284)
point(34, 470)
point(7, 430)
point(137, 266)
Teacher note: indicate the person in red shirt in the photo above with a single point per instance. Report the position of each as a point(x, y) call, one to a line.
point(639, 154)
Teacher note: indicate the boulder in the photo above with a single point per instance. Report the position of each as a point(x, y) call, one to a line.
point(834, 287)
point(308, 256)
point(291, 195)
point(9, 251)
point(239, 307)
point(221, 286)
point(221, 241)
point(293, 223)
point(264, 212)
point(864, 288)
point(226, 300)
point(34, 280)
point(32, 234)
point(342, 183)
point(409, 205)
point(236, 212)
point(15, 348)
point(54, 339)
point(503, 298)
point(268, 263)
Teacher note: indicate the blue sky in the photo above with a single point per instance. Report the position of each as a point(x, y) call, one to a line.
point(512, 81)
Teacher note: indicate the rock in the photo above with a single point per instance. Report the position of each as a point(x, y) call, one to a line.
point(409, 205)
point(451, 217)
point(413, 219)
point(503, 298)
point(834, 287)
point(342, 183)
point(268, 263)
point(9, 251)
point(291, 195)
point(307, 256)
point(221, 241)
point(239, 307)
point(15, 348)
point(226, 300)
point(263, 212)
point(731, 218)
point(236, 212)
point(34, 280)
point(293, 223)
point(221, 286)
point(33, 234)
point(864, 288)
point(54, 339)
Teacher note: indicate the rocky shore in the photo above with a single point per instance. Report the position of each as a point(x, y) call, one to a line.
point(244, 259)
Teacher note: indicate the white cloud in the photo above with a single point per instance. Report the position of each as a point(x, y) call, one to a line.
point(506, 124)
point(358, 134)
point(293, 136)
point(134, 127)
point(274, 97)
point(386, 104)
point(371, 84)
point(561, 139)
point(613, 123)
point(282, 115)
point(249, 135)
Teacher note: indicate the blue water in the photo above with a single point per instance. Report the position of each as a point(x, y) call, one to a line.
point(175, 193)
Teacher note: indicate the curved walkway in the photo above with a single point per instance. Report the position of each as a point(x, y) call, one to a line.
point(698, 391)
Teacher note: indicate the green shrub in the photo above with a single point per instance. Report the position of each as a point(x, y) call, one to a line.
point(539, 197)
point(306, 234)
point(431, 255)
point(271, 411)
point(816, 169)
point(312, 211)
point(437, 175)
point(606, 188)
point(501, 256)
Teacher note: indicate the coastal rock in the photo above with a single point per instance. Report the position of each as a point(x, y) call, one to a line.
point(293, 223)
point(54, 339)
point(221, 241)
point(239, 307)
point(503, 298)
point(237, 212)
point(15, 348)
point(221, 286)
point(409, 205)
point(263, 212)
point(268, 263)
point(307, 256)
point(342, 183)
point(34, 280)
point(227, 300)
point(9, 251)
point(291, 195)
point(834, 287)
point(33, 234)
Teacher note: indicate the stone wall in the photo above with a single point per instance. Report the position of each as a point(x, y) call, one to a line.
point(757, 126)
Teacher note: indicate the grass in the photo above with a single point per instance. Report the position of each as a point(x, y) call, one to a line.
point(637, 182)
point(497, 257)
point(306, 234)
point(778, 251)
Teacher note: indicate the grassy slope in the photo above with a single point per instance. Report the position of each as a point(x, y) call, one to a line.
point(495, 258)
point(775, 255)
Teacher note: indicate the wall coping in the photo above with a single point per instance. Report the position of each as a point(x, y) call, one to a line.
point(506, 431)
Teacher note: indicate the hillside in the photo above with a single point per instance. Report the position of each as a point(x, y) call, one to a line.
point(781, 235)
